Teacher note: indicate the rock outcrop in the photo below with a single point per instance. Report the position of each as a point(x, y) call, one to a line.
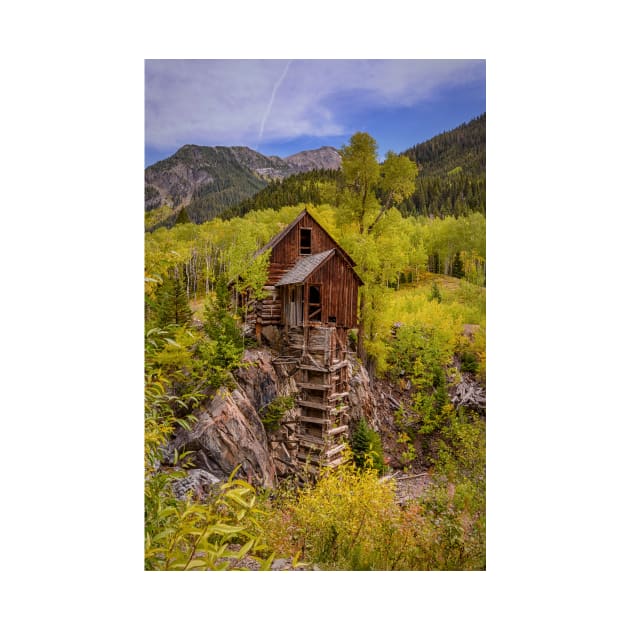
point(324, 157)
point(230, 431)
point(361, 399)
point(197, 483)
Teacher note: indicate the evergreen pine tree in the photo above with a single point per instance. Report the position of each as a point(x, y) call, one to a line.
point(172, 303)
point(367, 448)
point(458, 266)
point(360, 444)
point(222, 328)
point(435, 293)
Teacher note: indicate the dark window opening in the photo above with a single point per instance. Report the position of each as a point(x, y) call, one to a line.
point(305, 241)
point(332, 319)
point(314, 304)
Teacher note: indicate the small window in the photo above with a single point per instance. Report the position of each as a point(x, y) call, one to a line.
point(314, 296)
point(332, 319)
point(305, 241)
point(314, 303)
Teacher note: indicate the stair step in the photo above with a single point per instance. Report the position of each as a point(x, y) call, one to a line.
point(315, 420)
point(314, 405)
point(316, 386)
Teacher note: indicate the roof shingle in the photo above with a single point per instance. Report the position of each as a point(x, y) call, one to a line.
point(304, 267)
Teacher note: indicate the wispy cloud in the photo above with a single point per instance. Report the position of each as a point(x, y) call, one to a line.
point(273, 96)
point(236, 102)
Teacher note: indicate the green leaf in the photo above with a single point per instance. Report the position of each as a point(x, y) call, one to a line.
point(266, 564)
point(231, 477)
point(235, 495)
point(245, 548)
point(225, 530)
point(164, 534)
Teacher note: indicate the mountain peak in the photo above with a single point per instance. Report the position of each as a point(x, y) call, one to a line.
point(223, 176)
point(324, 157)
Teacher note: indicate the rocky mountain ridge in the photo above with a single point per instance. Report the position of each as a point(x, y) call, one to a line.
point(215, 177)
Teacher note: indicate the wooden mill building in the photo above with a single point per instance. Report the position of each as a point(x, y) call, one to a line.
point(312, 295)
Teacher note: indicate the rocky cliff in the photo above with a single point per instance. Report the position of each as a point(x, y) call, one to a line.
point(230, 430)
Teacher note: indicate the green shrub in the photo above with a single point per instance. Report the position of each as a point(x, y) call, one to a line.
point(181, 536)
point(344, 521)
point(350, 520)
point(469, 362)
point(353, 339)
point(409, 455)
point(275, 410)
point(367, 448)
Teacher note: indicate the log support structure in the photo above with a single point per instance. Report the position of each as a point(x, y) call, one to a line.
point(322, 377)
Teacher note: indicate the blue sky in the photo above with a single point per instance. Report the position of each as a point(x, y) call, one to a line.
point(280, 107)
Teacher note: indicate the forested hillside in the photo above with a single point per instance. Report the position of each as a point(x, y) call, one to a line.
point(452, 172)
point(204, 181)
point(462, 148)
point(451, 179)
point(199, 183)
point(316, 187)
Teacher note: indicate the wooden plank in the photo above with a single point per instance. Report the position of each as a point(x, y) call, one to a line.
point(315, 420)
point(337, 366)
point(337, 430)
point(335, 450)
point(338, 410)
point(339, 396)
point(315, 469)
point(313, 368)
point(323, 458)
point(316, 386)
point(313, 405)
point(335, 463)
point(312, 442)
point(333, 368)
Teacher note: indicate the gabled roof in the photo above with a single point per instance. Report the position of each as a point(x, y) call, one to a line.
point(304, 267)
point(278, 237)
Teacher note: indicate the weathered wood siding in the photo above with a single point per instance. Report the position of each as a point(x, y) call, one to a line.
point(339, 288)
point(287, 251)
point(337, 281)
point(293, 305)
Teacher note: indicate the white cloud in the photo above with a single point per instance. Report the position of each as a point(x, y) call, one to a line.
point(232, 102)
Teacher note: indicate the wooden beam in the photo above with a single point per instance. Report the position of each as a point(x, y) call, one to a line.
point(338, 396)
point(338, 410)
point(317, 386)
point(333, 368)
point(314, 405)
point(335, 450)
point(315, 420)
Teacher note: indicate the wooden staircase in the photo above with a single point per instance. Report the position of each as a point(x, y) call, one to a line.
point(323, 381)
